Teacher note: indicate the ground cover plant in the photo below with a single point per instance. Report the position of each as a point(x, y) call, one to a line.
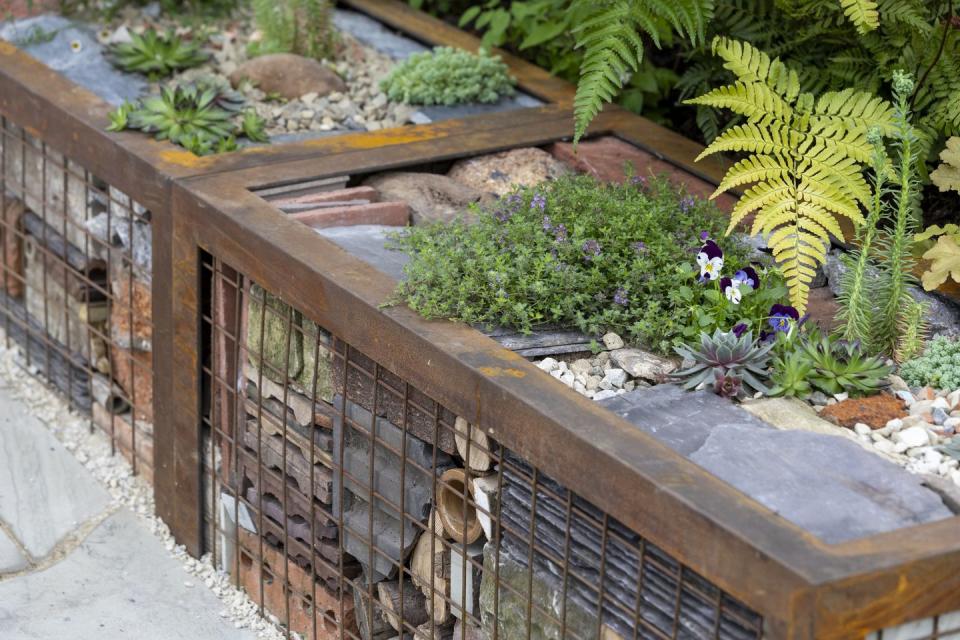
point(938, 365)
point(449, 76)
point(636, 258)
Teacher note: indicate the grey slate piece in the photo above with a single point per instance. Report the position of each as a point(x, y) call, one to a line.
point(44, 492)
point(679, 419)
point(416, 487)
point(369, 243)
point(376, 35)
point(119, 583)
point(11, 559)
point(87, 67)
point(436, 113)
point(827, 485)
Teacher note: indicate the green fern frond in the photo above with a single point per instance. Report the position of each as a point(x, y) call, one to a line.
point(804, 158)
point(862, 13)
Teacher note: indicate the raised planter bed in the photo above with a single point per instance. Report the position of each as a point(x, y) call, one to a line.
point(708, 560)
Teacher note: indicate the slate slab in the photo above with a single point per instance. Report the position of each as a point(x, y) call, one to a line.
point(119, 583)
point(11, 559)
point(84, 64)
point(369, 243)
point(825, 484)
point(44, 492)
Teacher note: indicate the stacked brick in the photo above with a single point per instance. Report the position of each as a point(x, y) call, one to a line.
point(76, 289)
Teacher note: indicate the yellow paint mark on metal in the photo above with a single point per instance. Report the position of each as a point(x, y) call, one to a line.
point(495, 372)
point(184, 158)
point(373, 140)
point(6, 48)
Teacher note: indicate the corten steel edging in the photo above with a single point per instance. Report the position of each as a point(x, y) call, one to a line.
point(804, 588)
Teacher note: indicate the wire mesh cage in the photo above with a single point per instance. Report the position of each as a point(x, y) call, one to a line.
point(76, 297)
point(349, 503)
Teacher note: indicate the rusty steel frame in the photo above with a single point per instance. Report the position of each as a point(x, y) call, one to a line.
point(803, 587)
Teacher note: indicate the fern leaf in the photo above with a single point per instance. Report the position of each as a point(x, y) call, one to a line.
point(753, 169)
point(753, 65)
point(754, 101)
point(862, 13)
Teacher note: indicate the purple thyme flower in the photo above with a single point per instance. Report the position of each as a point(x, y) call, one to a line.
point(782, 316)
point(639, 247)
point(710, 259)
point(547, 225)
point(503, 214)
point(638, 181)
point(739, 329)
point(620, 297)
point(591, 249)
point(560, 232)
point(539, 202)
point(686, 204)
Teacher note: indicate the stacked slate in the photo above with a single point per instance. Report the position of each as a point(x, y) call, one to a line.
point(634, 581)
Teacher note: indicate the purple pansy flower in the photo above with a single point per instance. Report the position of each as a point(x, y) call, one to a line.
point(782, 316)
point(591, 249)
point(710, 259)
point(731, 289)
point(620, 297)
point(739, 329)
point(704, 235)
point(749, 276)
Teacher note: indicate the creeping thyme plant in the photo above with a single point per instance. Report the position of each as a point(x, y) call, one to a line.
point(636, 258)
point(449, 76)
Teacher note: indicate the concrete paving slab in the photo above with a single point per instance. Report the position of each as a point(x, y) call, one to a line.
point(44, 492)
point(11, 559)
point(119, 583)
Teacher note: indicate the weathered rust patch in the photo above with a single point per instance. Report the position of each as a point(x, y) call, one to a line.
point(184, 158)
point(6, 48)
point(496, 372)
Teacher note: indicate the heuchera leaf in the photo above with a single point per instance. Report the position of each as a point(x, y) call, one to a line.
point(945, 261)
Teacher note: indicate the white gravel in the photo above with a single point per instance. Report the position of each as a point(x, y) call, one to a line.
point(92, 449)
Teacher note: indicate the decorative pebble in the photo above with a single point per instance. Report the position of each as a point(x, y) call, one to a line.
point(616, 377)
point(612, 341)
point(604, 394)
point(939, 415)
point(915, 436)
point(862, 429)
point(906, 396)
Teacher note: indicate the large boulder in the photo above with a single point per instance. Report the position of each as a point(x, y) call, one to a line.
point(432, 197)
point(498, 173)
point(288, 75)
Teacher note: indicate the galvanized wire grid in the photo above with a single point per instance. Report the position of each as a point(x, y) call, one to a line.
point(939, 627)
point(75, 288)
point(350, 504)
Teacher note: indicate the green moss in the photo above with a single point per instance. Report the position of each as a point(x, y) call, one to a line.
point(449, 76)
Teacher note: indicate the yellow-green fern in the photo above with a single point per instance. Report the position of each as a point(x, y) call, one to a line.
point(804, 157)
point(862, 13)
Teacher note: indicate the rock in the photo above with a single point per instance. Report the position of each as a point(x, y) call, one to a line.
point(953, 399)
point(432, 197)
point(942, 314)
point(567, 378)
point(897, 383)
point(912, 437)
point(862, 429)
point(593, 383)
point(940, 416)
point(604, 394)
point(581, 367)
point(642, 364)
point(875, 411)
point(499, 173)
point(547, 364)
point(288, 75)
point(616, 377)
point(906, 396)
point(818, 397)
point(796, 415)
point(612, 341)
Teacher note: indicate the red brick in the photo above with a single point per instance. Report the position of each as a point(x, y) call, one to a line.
point(299, 586)
point(604, 159)
point(27, 8)
point(133, 371)
point(131, 310)
point(325, 197)
point(393, 214)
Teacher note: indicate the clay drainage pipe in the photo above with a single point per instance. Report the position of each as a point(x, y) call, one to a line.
point(452, 505)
